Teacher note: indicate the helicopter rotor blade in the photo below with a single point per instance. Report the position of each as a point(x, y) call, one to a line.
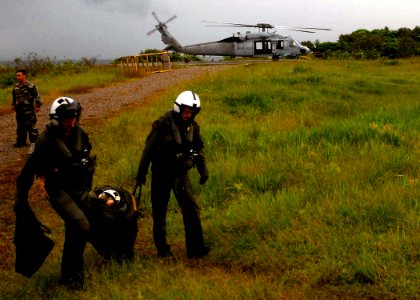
point(313, 28)
point(155, 16)
point(170, 19)
point(240, 26)
point(228, 24)
point(263, 26)
point(151, 31)
point(301, 28)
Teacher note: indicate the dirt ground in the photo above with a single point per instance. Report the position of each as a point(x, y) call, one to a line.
point(96, 104)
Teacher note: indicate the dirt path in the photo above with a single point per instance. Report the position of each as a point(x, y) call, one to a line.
point(96, 104)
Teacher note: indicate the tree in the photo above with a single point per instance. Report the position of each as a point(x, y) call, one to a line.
point(407, 46)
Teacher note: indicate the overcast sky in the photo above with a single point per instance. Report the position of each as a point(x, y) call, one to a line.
point(106, 29)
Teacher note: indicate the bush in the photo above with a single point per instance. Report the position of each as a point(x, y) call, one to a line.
point(35, 64)
point(7, 79)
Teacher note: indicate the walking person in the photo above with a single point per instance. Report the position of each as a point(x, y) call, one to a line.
point(173, 147)
point(61, 158)
point(26, 103)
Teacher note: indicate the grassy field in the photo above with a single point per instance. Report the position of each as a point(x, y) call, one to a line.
point(314, 189)
point(68, 81)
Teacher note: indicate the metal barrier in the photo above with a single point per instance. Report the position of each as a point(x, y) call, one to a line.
point(304, 57)
point(147, 63)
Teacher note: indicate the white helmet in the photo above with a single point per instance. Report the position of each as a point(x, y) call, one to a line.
point(189, 99)
point(63, 107)
point(110, 197)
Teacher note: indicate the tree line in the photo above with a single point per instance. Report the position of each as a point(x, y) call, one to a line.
point(365, 44)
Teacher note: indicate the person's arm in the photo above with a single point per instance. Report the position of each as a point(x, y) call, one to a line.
point(26, 177)
point(146, 155)
point(37, 99)
point(200, 161)
point(13, 100)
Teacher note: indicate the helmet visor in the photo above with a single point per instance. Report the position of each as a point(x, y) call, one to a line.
point(69, 114)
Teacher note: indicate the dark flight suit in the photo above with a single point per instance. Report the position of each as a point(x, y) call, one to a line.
point(67, 169)
point(25, 98)
point(173, 149)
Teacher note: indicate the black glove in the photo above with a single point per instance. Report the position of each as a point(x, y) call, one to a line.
point(188, 164)
point(203, 179)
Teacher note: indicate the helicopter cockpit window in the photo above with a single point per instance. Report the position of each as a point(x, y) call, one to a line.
point(293, 43)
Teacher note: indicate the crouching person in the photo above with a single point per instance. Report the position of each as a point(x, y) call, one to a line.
point(113, 214)
point(61, 157)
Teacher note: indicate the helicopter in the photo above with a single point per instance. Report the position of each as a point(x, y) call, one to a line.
point(250, 44)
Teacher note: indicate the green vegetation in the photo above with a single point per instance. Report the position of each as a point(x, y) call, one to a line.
point(314, 189)
point(365, 44)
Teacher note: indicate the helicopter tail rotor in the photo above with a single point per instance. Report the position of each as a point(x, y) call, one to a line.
point(160, 24)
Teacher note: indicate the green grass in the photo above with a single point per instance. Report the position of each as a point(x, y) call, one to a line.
point(314, 189)
point(66, 81)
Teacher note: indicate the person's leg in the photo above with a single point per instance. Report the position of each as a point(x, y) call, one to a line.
point(160, 194)
point(32, 131)
point(191, 217)
point(72, 261)
point(77, 228)
point(21, 132)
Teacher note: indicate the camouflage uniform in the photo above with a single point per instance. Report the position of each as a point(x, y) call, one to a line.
point(25, 98)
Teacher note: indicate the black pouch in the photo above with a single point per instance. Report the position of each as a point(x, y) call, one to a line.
point(32, 245)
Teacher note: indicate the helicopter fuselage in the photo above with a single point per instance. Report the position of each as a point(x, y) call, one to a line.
point(249, 44)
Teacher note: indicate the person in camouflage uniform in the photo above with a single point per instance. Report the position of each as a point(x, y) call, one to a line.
point(26, 103)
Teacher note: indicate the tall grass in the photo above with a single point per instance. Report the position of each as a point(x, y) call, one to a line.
point(314, 187)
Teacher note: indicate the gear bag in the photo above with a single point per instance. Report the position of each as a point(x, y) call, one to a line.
point(32, 245)
point(113, 217)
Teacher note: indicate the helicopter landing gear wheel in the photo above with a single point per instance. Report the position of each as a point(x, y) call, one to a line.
point(275, 57)
point(186, 60)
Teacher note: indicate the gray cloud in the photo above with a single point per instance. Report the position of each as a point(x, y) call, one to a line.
point(129, 7)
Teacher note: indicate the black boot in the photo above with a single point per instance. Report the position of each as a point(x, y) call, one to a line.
point(198, 252)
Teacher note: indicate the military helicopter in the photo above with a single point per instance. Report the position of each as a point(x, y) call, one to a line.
point(258, 44)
